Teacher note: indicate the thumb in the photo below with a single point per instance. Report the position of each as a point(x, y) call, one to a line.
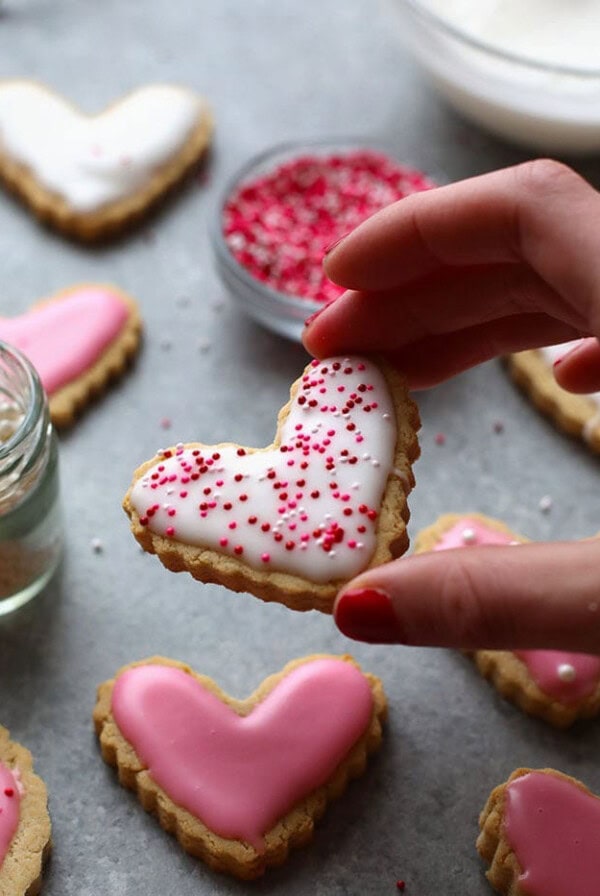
point(529, 596)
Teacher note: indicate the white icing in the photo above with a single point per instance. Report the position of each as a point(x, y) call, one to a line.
point(91, 161)
point(358, 460)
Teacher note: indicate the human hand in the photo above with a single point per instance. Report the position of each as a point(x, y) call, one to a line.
point(441, 281)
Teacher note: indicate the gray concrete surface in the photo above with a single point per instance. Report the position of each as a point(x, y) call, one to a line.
point(273, 71)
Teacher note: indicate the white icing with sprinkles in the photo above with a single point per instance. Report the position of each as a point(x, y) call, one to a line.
point(309, 506)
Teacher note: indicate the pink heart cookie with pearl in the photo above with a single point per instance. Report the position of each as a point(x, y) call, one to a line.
point(93, 176)
point(78, 340)
point(24, 821)
point(540, 834)
point(577, 415)
point(557, 686)
point(292, 522)
point(240, 782)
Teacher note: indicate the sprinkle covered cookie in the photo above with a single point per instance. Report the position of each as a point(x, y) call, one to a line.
point(557, 686)
point(578, 415)
point(294, 521)
point(24, 821)
point(240, 782)
point(540, 835)
point(93, 176)
point(77, 340)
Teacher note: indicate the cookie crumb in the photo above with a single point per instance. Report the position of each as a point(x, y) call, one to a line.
point(204, 346)
point(498, 427)
point(545, 504)
point(97, 545)
point(166, 344)
point(440, 438)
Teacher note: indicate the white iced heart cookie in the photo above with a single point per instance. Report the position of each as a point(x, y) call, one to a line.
point(91, 176)
point(578, 415)
point(294, 521)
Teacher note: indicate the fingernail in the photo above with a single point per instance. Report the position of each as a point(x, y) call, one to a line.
point(572, 351)
point(335, 243)
point(367, 615)
point(312, 317)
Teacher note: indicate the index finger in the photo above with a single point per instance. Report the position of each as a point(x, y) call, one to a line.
point(541, 212)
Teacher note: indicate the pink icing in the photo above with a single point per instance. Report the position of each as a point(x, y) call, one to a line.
point(553, 828)
point(10, 799)
point(239, 775)
point(566, 677)
point(64, 337)
point(310, 506)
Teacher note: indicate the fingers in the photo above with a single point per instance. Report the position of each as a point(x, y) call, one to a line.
point(525, 596)
point(579, 369)
point(540, 212)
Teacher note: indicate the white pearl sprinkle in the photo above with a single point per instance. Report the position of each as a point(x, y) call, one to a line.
point(170, 490)
point(375, 463)
point(566, 672)
point(366, 456)
point(97, 545)
point(386, 416)
point(545, 504)
point(469, 536)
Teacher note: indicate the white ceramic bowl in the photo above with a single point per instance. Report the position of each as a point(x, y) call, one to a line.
point(551, 108)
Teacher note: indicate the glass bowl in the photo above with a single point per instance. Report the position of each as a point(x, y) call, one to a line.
point(552, 108)
point(281, 312)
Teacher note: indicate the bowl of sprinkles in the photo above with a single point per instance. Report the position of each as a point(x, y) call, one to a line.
point(280, 213)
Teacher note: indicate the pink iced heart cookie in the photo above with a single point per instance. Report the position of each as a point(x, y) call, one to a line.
point(540, 834)
point(78, 340)
point(24, 821)
point(294, 521)
point(240, 782)
point(578, 415)
point(557, 686)
point(92, 176)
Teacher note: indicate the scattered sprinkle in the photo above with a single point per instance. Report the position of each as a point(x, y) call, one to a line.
point(498, 427)
point(165, 423)
point(567, 672)
point(400, 885)
point(97, 545)
point(440, 438)
point(545, 504)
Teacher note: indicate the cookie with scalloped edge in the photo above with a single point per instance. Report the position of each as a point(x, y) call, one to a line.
point(292, 522)
point(557, 686)
point(78, 340)
point(577, 415)
point(25, 830)
point(540, 835)
point(91, 177)
point(240, 782)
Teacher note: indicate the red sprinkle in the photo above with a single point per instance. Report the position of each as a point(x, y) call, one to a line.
point(440, 438)
point(280, 224)
point(8, 791)
point(400, 885)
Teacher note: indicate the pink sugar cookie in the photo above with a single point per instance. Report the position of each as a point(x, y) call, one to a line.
point(24, 821)
point(77, 340)
point(240, 782)
point(294, 521)
point(540, 835)
point(557, 686)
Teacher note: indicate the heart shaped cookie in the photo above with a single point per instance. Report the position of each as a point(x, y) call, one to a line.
point(578, 415)
point(240, 782)
point(557, 686)
point(90, 177)
point(294, 521)
point(77, 340)
point(24, 821)
point(540, 834)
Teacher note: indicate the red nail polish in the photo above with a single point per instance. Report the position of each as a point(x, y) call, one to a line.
point(367, 615)
point(335, 243)
point(312, 317)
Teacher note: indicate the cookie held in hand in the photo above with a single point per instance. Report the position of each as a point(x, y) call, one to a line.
point(93, 176)
point(557, 686)
point(292, 522)
point(240, 782)
point(78, 340)
point(578, 415)
point(24, 821)
point(540, 834)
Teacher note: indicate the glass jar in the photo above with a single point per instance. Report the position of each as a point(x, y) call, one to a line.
point(30, 515)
